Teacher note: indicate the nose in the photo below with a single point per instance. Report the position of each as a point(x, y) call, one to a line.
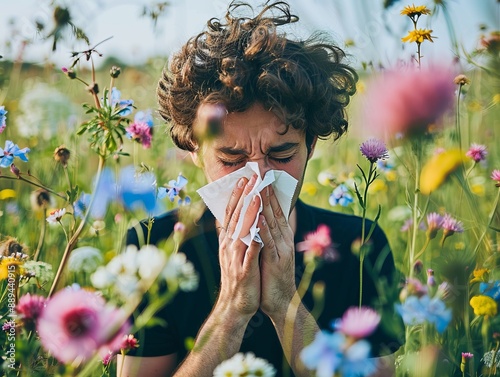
point(264, 166)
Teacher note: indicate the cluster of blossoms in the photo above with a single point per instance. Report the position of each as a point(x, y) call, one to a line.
point(133, 271)
point(344, 351)
point(245, 365)
point(435, 222)
point(141, 130)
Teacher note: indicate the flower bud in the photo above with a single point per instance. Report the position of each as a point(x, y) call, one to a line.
point(69, 72)
point(115, 71)
point(62, 154)
point(15, 170)
point(40, 199)
point(93, 88)
point(461, 80)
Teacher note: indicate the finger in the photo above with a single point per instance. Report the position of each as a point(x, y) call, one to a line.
point(269, 251)
point(250, 216)
point(233, 220)
point(233, 200)
point(281, 218)
point(251, 261)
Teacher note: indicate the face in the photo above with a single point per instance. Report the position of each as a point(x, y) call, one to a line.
point(254, 135)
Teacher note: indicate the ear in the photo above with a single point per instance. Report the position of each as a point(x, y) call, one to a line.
point(311, 150)
point(196, 158)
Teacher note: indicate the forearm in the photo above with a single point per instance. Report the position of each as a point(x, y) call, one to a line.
point(219, 338)
point(296, 328)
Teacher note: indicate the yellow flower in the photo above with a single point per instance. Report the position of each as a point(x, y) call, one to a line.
point(438, 168)
point(391, 176)
point(9, 265)
point(377, 185)
point(7, 194)
point(415, 10)
point(484, 305)
point(480, 274)
point(475, 106)
point(309, 188)
point(418, 36)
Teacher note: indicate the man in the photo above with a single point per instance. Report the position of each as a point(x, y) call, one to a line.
point(280, 97)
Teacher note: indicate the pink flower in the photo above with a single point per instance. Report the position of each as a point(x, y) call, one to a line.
point(129, 342)
point(431, 280)
point(30, 308)
point(434, 223)
point(374, 149)
point(408, 101)
point(477, 152)
point(140, 132)
point(75, 324)
point(358, 322)
point(495, 175)
point(451, 225)
point(318, 244)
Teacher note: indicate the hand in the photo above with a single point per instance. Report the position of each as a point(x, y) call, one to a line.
point(240, 275)
point(278, 257)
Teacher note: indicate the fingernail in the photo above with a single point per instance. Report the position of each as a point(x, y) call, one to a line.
point(252, 180)
point(241, 182)
point(254, 200)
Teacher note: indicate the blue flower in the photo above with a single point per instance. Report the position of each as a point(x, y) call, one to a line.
point(328, 355)
point(105, 191)
point(125, 106)
point(10, 151)
point(137, 189)
point(340, 196)
point(81, 205)
point(417, 310)
point(2, 118)
point(173, 189)
point(144, 117)
point(491, 289)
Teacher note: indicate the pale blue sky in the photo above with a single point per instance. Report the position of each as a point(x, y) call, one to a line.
point(134, 38)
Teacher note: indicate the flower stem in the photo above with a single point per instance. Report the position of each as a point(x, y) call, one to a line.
point(457, 118)
point(415, 215)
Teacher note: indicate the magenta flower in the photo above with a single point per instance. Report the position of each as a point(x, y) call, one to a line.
point(495, 175)
point(30, 308)
point(129, 342)
point(409, 101)
point(467, 355)
point(357, 322)
point(477, 152)
point(75, 324)
point(318, 244)
point(141, 133)
point(451, 225)
point(434, 223)
point(374, 150)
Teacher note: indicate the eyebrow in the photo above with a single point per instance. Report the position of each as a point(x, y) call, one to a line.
point(278, 148)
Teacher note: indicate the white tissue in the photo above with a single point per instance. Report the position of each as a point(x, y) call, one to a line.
point(216, 195)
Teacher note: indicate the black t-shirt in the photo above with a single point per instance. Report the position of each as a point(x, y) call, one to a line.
point(186, 313)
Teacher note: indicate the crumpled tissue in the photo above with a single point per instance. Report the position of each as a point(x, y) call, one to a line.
point(216, 195)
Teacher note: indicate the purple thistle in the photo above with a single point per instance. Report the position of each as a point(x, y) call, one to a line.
point(495, 175)
point(434, 223)
point(477, 152)
point(374, 149)
point(451, 225)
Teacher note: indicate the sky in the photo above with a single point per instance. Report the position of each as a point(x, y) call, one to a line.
point(376, 34)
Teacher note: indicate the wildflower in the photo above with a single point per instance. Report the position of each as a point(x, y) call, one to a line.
point(105, 191)
point(30, 308)
point(413, 11)
point(173, 188)
point(244, 365)
point(495, 175)
point(484, 305)
point(8, 325)
point(11, 151)
point(328, 356)
point(451, 226)
point(3, 117)
point(491, 289)
point(374, 150)
point(137, 190)
point(480, 274)
point(418, 36)
point(438, 169)
point(326, 178)
point(418, 266)
point(210, 118)
point(124, 106)
point(41, 271)
point(417, 310)
point(15, 170)
point(129, 342)
point(7, 194)
point(107, 358)
point(179, 271)
point(465, 357)
point(56, 216)
point(477, 152)
point(309, 188)
point(491, 358)
point(93, 88)
point(141, 129)
point(69, 72)
point(358, 322)
point(461, 80)
point(318, 244)
point(340, 196)
point(434, 223)
point(412, 287)
point(411, 101)
point(431, 281)
point(85, 259)
point(61, 155)
point(115, 71)
point(81, 205)
point(40, 199)
point(75, 324)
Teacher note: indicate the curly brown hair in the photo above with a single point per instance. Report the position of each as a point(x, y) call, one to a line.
point(243, 61)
